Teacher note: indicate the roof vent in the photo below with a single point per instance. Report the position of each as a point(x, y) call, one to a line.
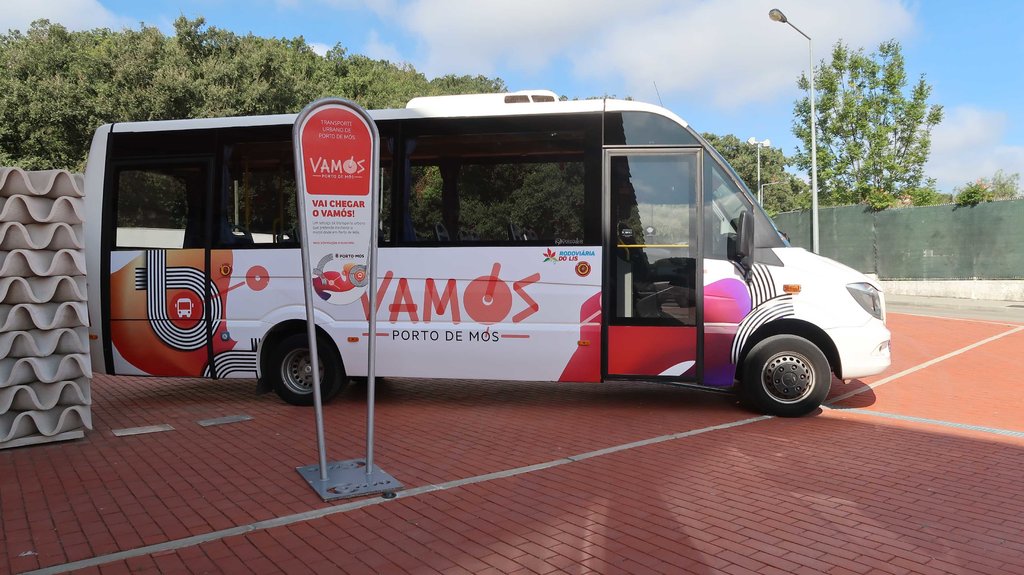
point(527, 96)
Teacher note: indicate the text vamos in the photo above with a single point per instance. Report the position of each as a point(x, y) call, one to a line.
point(325, 166)
point(486, 300)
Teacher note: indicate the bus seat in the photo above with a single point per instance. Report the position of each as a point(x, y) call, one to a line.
point(441, 232)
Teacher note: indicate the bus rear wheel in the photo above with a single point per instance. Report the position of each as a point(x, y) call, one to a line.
point(290, 371)
point(785, 375)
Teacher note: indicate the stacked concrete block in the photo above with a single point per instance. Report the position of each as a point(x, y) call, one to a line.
point(44, 353)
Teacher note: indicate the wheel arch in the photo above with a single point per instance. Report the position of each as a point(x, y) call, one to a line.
point(282, 330)
point(799, 328)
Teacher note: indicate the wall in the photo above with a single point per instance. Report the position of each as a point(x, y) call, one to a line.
point(44, 364)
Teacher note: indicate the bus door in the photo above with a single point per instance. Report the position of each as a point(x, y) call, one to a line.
point(651, 283)
point(159, 287)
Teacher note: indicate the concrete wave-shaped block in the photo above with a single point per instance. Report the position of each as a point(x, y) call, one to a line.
point(42, 183)
point(32, 210)
point(45, 397)
point(42, 263)
point(52, 236)
point(14, 290)
point(18, 424)
point(40, 343)
point(25, 316)
point(25, 370)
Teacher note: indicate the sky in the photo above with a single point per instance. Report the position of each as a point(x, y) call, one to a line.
point(722, 65)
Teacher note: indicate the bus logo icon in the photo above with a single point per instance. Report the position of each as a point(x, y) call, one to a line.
point(184, 308)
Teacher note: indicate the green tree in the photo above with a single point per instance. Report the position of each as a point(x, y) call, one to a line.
point(234, 75)
point(874, 136)
point(925, 197)
point(58, 86)
point(47, 108)
point(973, 193)
point(999, 187)
point(783, 192)
point(454, 84)
point(1005, 186)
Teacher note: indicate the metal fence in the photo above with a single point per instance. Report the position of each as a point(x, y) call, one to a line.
point(928, 242)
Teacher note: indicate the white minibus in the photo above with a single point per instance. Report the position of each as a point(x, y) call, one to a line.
point(521, 238)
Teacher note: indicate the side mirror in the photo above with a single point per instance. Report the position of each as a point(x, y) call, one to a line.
point(745, 243)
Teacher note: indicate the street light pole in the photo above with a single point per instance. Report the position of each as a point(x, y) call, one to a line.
point(760, 190)
point(753, 142)
point(776, 15)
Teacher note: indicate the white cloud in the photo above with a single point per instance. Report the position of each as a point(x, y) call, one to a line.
point(320, 48)
point(72, 14)
point(380, 7)
point(377, 49)
point(725, 50)
point(473, 37)
point(968, 145)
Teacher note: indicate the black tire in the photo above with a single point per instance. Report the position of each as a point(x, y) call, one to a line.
point(785, 375)
point(289, 375)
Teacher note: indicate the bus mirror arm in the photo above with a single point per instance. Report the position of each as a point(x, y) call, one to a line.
point(745, 244)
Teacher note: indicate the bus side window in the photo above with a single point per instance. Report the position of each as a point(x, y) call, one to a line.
point(258, 204)
point(161, 206)
point(483, 185)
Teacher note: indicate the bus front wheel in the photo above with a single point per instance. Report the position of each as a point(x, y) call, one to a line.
point(785, 375)
point(291, 372)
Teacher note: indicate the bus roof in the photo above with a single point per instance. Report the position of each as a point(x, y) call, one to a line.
point(461, 106)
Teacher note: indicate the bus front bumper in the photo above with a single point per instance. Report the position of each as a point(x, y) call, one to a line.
point(863, 350)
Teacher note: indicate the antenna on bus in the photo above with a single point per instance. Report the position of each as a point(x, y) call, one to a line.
point(656, 91)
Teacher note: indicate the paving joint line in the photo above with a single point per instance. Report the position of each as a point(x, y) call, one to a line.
point(312, 514)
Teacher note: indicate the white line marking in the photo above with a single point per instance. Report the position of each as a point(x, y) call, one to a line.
point(921, 366)
point(982, 321)
point(943, 423)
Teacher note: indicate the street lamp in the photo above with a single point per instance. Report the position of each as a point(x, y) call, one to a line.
point(777, 15)
point(760, 189)
point(766, 143)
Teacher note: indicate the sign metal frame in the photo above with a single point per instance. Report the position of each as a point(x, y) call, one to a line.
point(339, 128)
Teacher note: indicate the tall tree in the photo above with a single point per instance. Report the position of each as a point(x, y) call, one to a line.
point(874, 135)
point(783, 192)
point(48, 107)
point(57, 86)
point(1001, 186)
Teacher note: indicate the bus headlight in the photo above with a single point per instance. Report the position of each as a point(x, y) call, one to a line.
point(869, 298)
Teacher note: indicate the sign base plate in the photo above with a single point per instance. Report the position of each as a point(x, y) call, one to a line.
point(348, 479)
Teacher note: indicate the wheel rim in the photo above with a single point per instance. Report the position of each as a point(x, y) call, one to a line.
point(297, 371)
point(788, 377)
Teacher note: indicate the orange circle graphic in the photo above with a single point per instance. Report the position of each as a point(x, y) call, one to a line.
point(257, 278)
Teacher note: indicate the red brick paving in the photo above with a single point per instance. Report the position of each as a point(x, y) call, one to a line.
point(916, 340)
point(843, 492)
point(983, 384)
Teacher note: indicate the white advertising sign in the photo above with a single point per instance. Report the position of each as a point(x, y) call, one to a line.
point(336, 147)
